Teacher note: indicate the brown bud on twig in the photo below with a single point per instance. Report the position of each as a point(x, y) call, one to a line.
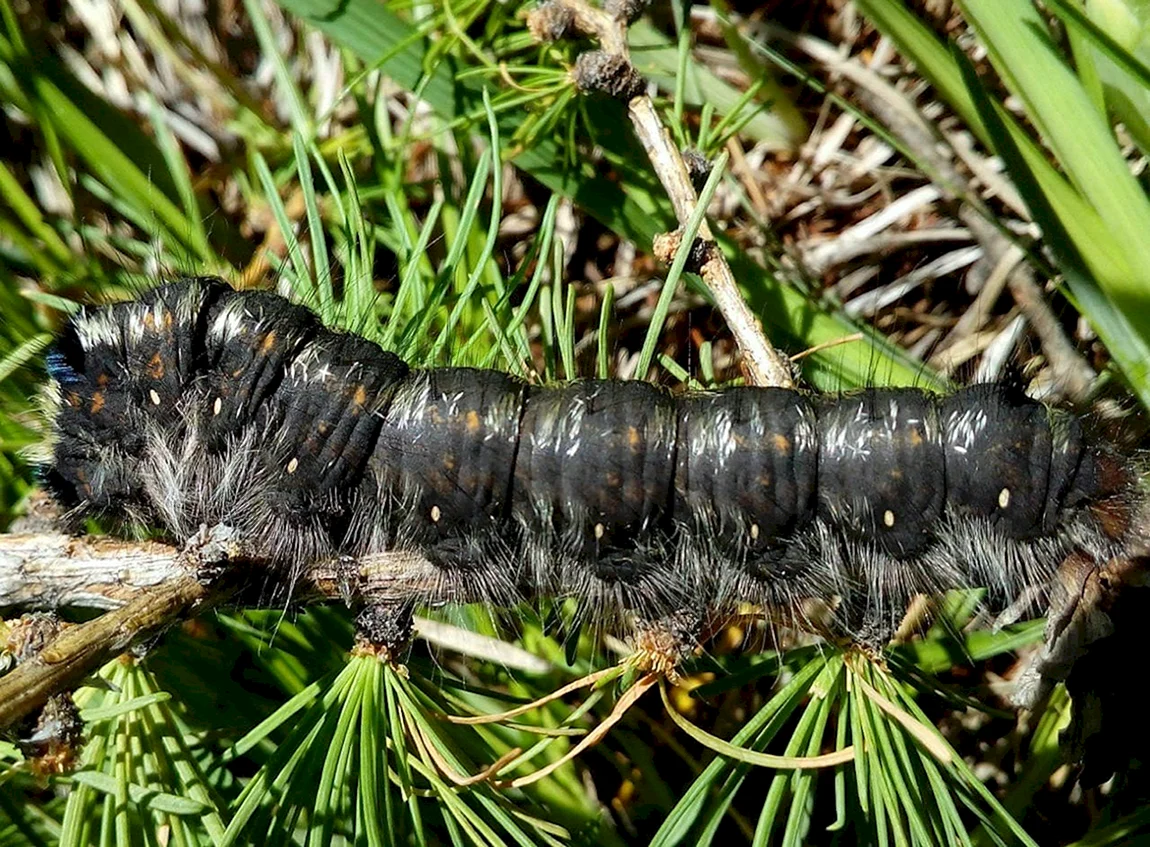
point(551, 20)
point(610, 74)
point(627, 11)
point(28, 635)
point(55, 740)
point(663, 644)
point(698, 167)
point(385, 630)
point(666, 245)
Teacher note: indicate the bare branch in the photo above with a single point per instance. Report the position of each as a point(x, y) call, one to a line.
point(148, 586)
point(80, 650)
point(201, 578)
point(51, 571)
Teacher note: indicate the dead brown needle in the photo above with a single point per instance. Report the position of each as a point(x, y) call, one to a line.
point(583, 682)
point(594, 737)
point(427, 747)
point(505, 75)
point(826, 345)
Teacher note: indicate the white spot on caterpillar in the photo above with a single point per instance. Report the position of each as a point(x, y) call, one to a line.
point(754, 532)
point(293, 465)
point(436, 514)
point(599, 530)
point(1004, 498)
point(155, 398)
point(888, 518)
point(219, 404)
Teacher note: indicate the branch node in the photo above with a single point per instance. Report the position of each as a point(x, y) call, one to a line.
point(626, 11)
point(212, 550)
point(610, 74)
point(666, 245)
point(551, 20)
point(385, 630)
point(26, 636)
point(663, 644)
point(56, 738)
point(698, 167)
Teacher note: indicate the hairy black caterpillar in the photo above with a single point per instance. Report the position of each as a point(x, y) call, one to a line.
point(197, 404)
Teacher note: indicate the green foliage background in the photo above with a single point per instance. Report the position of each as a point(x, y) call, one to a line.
point(253, 727)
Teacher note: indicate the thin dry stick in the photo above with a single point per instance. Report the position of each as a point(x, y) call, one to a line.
point(900, 115)
point(827, 345)
point(765, 365)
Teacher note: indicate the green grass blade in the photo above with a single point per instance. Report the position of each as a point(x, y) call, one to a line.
point(321, 263)
point(755, 732)
point(682, 254)
point(1028, 60)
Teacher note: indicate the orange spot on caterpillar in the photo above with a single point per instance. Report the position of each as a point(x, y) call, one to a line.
point(155, 367)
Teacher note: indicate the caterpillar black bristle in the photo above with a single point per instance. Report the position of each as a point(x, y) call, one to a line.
point(197, 404)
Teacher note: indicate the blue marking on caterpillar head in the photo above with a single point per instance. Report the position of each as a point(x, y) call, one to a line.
point(59, 368)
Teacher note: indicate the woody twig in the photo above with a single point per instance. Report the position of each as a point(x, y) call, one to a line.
point(610, 71)
point(51, 571)
point(148, 586)
point(201, 580)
